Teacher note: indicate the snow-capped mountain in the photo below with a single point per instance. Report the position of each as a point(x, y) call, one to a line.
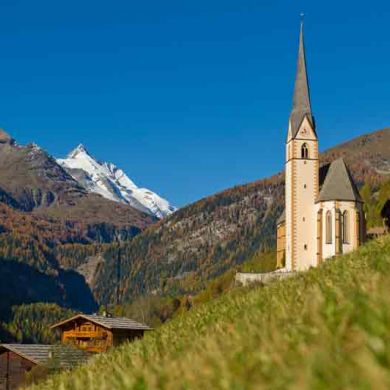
point(112, 183)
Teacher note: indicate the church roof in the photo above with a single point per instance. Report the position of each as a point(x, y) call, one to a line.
point(339, 184)
point(301, 99)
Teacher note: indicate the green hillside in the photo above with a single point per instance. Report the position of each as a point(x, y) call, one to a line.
point(327, 328)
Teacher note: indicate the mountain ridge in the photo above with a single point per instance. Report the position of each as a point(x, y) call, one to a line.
point(111, 182)
point(46, 221)
point(32, 181)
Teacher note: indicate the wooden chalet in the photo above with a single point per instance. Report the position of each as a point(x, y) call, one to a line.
point(16, 360)
point(94, 333)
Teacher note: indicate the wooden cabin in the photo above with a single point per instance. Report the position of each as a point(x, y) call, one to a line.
point(95, 333)
point(16, 360)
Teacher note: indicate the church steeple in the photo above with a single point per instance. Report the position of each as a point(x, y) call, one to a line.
point(301, 99)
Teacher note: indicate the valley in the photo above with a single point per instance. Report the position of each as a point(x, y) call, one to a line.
point(59, 242)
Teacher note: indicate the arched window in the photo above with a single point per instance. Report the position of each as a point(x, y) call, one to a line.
point(345, 227)
point(304, 151)
point(328, 229)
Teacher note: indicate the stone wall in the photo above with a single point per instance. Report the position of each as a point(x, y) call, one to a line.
point(245, 279)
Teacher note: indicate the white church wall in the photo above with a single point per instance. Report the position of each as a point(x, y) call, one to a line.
point(306, 218)
point(288, 202)
point(328, 249)
point(301, 192)
point(351, 208)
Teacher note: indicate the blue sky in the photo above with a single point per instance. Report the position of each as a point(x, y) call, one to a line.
point(189, 97)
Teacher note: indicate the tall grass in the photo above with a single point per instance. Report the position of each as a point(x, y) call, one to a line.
point(328, 328)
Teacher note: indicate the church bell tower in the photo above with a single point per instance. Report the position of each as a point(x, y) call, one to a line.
point(302, 180)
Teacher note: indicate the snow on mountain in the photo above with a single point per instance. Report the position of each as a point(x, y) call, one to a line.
point(112, 183)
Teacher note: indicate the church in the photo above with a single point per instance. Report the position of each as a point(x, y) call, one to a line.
point(323, 214)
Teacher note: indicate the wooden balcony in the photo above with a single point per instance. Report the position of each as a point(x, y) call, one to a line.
point(93, 348)
point(73, 334)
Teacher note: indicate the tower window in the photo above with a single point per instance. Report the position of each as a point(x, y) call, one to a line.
point(304, 151)
point(305, 247)
point(345, 227)
point(328, 227)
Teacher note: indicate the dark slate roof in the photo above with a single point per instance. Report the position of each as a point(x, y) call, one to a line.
point(108, 322)
point(323, 171)
point(301, 98)
point(339, 184)
point(282, 218)
point(41, 354)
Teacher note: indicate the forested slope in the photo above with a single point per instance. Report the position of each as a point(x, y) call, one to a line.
point(199, 242)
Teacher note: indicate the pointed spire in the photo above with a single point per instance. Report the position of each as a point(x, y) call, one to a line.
point(301, 98)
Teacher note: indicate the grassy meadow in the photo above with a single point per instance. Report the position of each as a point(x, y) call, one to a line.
point(328, 328)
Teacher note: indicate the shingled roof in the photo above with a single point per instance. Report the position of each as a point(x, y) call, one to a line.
point(41, 354)
point(301, 99)
point(339, 184)
point(108, 322)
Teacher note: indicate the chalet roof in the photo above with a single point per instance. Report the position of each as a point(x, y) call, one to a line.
point(282, 218)
point(301, 99)
point(107, 322)
point(41, 354)
point(339, 184)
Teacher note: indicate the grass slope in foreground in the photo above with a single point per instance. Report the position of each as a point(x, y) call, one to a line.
point(327, 328)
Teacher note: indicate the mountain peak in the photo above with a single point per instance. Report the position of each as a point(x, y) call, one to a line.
point(75, 152)
point(112, 183)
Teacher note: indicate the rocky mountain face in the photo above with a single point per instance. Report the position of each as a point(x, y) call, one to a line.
point(204, 239)
point(32, 181)
point(112, 183)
